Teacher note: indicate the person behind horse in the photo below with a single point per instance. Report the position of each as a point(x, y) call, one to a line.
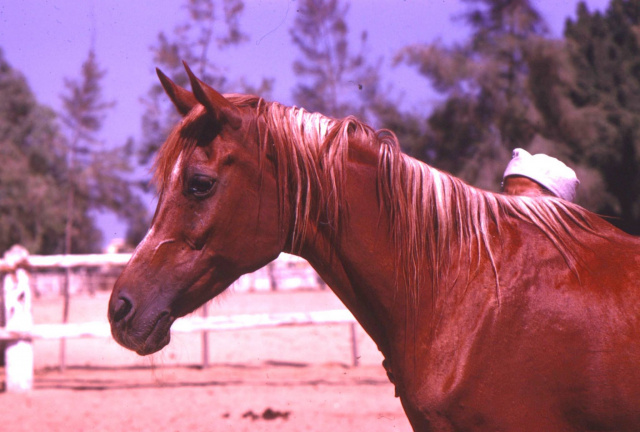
point(539, 174)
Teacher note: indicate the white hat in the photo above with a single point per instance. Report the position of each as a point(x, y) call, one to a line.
point(545, 170)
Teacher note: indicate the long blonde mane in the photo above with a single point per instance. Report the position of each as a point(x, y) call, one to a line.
point(431, 211)
point(428, 209)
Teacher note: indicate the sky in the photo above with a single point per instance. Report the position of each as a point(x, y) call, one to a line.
point(48, 40)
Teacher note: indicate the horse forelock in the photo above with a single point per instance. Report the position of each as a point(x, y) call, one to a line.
point(182, 139)
point(185, 136)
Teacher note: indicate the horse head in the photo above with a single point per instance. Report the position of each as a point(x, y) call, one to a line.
point(218, 217)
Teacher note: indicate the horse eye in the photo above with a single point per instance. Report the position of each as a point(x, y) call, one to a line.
point(200, 185)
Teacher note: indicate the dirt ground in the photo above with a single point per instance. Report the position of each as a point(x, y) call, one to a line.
point(284, 379)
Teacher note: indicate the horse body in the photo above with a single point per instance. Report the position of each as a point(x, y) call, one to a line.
point(492, 312)
point(548, 354)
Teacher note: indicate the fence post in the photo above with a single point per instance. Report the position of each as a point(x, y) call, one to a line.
point(205, 338)
point(17, 304)
point(355, 353)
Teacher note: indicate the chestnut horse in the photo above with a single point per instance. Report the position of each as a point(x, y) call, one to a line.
point(492, 312)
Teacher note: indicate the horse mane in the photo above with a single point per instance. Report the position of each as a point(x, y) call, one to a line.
point(428, 209)
point(311, 151)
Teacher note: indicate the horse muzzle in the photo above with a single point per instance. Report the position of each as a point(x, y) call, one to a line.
point(143, 330)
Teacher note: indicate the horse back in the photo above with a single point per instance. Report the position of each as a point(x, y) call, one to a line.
point(567, 333)
point(557, 348)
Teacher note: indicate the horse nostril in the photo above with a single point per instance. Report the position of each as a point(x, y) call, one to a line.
point(122, 309)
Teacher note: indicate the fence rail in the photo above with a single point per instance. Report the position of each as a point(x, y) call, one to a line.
point(63, 261)
point(19, 331)
point(186, 325)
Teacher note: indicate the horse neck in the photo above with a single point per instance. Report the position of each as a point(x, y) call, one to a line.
point(353, 258)
point(365, 218)
point(358, 254)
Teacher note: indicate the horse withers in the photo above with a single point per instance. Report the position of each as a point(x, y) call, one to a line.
point(492, 312)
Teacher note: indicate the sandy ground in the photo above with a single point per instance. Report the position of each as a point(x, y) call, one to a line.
point(285, 379)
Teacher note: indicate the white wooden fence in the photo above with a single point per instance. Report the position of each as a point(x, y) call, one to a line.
point(19, 330)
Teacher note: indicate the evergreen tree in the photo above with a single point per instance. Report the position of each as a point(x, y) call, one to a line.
point(32, 211)
point(604, 95)
point(333, 79)
point(96, 175)
point(488, 109)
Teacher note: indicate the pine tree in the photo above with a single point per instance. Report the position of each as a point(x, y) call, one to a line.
point(488, 109)
point(83, 115)
point(97, 173)
point(604, 50)
point(333, 79)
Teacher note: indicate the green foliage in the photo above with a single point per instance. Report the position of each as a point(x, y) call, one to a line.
point(51, 182)
point(510, 86)
point(604, 50)
point(488, 109)
point(32, 170)
point(96, 174)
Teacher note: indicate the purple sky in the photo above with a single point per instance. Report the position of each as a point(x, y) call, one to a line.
point(49, 40)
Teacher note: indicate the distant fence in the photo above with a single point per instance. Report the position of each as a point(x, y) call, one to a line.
point(19, 331)
point(99, 271)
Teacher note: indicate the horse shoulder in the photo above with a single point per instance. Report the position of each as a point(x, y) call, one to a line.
point(553, 338)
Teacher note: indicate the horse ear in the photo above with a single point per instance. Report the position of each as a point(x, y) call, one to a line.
point(183, 99)
point(216, 104)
